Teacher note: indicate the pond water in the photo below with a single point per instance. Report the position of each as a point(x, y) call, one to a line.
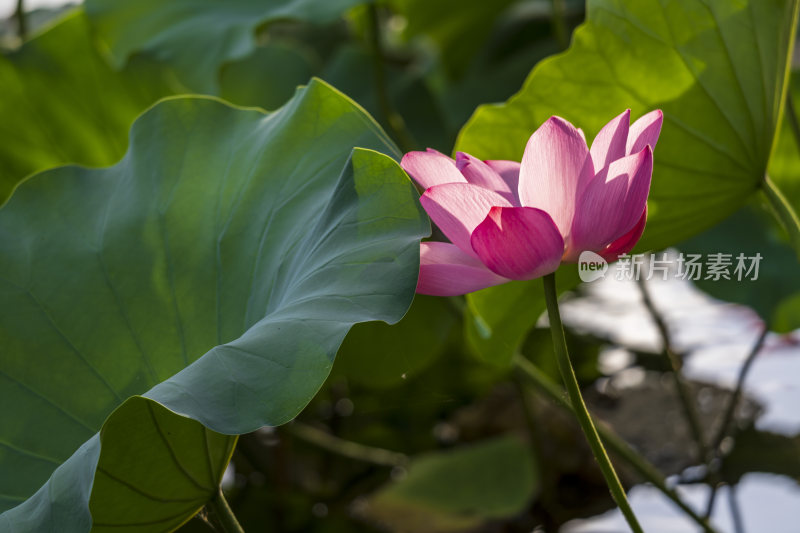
point(716, 338)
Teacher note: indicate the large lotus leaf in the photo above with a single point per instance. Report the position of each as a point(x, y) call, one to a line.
point(197, 37)
point(62, 103)
point(216, 269)
point(154, 470)
point(715, 67)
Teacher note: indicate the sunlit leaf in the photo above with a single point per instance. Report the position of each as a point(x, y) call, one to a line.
point(62, 103)
point(715, 67)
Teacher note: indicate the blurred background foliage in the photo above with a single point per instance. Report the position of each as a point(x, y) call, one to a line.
point(422, 426)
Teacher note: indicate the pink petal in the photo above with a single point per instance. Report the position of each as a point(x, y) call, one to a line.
point(431, 168)
point(518, 242)
point(645, 131)
point(609, 144)
point(509, 171)
point(479, 173)
point(625, 244)
point(457, 208)
point(612, 203)
point(445, 270)
point(555, 166)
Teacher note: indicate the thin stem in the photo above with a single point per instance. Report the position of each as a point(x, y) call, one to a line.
point(684, 393)
point(783, 211)
point(346, 448)
point(794, 124)
point(394, 121)
point(618, 446)
point(579, 407)
point(22, 23)
point(727, 418)
point(559, 21)
point(222, 511)
point(736, 514)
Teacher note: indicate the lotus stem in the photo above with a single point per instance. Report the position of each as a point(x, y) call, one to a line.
point(783, 211)
point(346, 448)
point(579, 406)
point(559, 21)
point(22, 23)
point(728, 417)
point(223, 513)
point(618, 446)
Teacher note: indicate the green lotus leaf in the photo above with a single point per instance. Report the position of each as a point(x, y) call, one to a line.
point(214, 270)
point(717, 69)
point(460, 489)
point(62, 103)
point(196, 37)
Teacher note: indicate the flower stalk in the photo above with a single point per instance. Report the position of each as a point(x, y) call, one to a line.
point(617, 445)
point(22, 22)
point(223, 513)
point(783, 211)
point(579, 406)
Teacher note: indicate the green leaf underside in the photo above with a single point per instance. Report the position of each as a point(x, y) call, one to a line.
point(197, 37)
point(377, 355)
point(459, 489)
point(715, 67)
point(257, 240)
point(185, 463)
point(499, 318)
point(62, 103)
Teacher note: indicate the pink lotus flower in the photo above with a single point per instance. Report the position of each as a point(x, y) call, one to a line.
point(508, 220)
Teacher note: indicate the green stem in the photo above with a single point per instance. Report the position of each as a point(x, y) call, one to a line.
point(22, 23)
point(727, 419)
point(579, 407)
point(346, 448)
point(394, 121)
point(560, 23)
point(784, 211)
point(222, 511)
point(618, 446)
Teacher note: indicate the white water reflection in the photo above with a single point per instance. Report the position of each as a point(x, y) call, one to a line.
point(717, 336)
point(7, 7)
point(765, 502)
